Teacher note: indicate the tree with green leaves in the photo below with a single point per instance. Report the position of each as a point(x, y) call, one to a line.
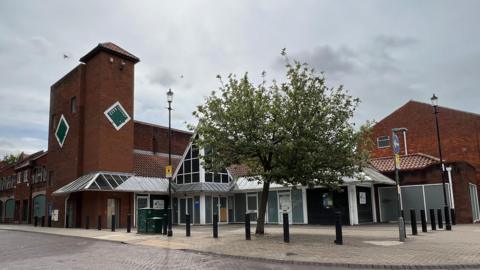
point(11, 159)
point(299, 132)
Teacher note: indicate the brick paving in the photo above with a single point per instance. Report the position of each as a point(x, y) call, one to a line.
point(24, 250)
point(363, 245)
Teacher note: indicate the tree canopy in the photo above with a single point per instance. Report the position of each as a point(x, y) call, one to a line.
point(296, 132)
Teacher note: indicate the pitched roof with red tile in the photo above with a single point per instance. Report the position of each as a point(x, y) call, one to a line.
point(415, 161)
point(151, 165)
point(110, 48)
point(239, 170)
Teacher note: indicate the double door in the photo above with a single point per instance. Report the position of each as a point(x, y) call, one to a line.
point(220, 207)
point(186, 207)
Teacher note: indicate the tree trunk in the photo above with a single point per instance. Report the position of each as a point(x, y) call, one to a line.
point(262, 209)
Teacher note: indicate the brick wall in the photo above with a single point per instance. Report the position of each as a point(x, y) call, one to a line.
point(459, 131)
point(154, 138)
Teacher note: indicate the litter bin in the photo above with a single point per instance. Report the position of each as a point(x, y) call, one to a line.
point(154, 225)
point(143, 215)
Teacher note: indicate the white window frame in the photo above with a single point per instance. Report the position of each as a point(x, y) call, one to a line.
point(378, 141)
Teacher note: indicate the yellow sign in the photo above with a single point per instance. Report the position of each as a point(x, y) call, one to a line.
point(397, 161)
point(168, 171)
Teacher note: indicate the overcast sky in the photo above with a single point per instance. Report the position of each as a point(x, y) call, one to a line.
point(384, 52)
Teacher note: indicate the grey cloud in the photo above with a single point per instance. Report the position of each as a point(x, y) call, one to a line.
point(325, 58)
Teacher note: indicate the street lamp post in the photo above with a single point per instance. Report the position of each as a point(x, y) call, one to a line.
point(448, 226)
point(396, 157)
point(169, 99)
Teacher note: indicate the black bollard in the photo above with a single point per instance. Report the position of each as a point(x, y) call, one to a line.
point(448, 226)
point(452, 213)
point(165, 224)
point(66, 222)
point(424, 220)
point(187, 224)
point(247, 227)
point(49, 221)
point(113, 223)
point(99, 223)
point(215, 226)
point(35, 221)
point(87, 222)
point(286, 229)
point(413, 221)
point(42, 223)
point(439, 216)
point(432, 220)
point(129, 223)
point(338, 228)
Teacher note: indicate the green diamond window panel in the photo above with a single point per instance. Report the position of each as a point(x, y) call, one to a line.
point(117, 115)
point(62, 130)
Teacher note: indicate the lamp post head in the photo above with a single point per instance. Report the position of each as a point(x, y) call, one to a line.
point(169, 95)
point(434, 100)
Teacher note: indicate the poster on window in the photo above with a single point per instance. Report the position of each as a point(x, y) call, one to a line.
point(55, 215)
point(158, 204)
point(363, 197)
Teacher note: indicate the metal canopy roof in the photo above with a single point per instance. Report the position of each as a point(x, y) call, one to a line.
point(203, 187)
point(144, 184)
point(98, 181)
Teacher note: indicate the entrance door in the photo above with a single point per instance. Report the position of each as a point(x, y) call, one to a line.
point(25, 210)
point(223, 209)
point(186, 207)
point(364, 204)
point(252, 206)
point(113, 208)
point(284, 206)
point(142, 202)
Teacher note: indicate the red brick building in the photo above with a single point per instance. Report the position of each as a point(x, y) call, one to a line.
point(420, 165)
point(91, 134)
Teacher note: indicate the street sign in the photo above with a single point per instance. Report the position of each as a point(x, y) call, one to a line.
point(396, 144)
point(397, 161)
point(168, 171)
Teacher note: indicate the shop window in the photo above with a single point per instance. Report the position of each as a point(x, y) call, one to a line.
point(327, 200)
point(383, 141)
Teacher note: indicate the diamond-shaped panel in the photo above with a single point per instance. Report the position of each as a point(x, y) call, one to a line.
point(117, 115)
point(62, 131)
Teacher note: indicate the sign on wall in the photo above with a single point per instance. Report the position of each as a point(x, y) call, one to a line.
point(117, 115)
point(62, 131)
point(55, 215)
point(158, 204)
point(362, 197)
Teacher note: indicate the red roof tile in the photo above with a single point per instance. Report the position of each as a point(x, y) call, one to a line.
point(150, 165)
point(239, 170)
point(111, 48)
point(409, 162)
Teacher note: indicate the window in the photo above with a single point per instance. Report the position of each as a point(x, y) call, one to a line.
point(189, 171)
point(25, 176)
point(383, 142)
point(73, 104)
point(19, 177)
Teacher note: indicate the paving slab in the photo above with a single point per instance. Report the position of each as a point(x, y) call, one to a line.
point(367, 245)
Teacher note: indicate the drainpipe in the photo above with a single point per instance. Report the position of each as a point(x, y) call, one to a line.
point(405, 140)
point(65, 212)
point(449, 170)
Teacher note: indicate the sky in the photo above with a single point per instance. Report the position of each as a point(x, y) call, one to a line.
point(383, 52)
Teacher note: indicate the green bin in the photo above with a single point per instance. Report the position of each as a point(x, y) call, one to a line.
point(154, 225)
point(146, 213)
